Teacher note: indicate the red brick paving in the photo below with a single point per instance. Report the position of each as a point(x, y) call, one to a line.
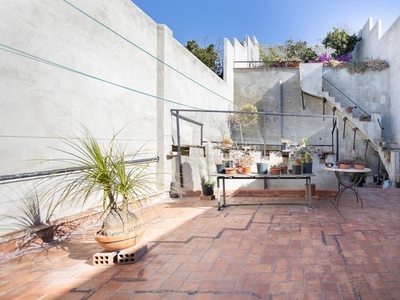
point(240, 253)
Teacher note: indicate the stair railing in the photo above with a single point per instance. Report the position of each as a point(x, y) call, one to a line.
point(348, 98)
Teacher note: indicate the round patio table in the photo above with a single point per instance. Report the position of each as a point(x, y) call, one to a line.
point(344, 185)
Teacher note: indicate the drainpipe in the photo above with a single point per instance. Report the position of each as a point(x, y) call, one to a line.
point(280, 110)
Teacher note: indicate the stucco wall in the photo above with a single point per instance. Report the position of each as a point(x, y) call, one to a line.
point(384, 45)
point(101, 64)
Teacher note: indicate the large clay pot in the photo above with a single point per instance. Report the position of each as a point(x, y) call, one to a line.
point(114, 243)
point(121, 229)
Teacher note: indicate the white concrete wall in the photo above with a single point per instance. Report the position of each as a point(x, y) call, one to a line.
point(102, 64)
point(374, 44)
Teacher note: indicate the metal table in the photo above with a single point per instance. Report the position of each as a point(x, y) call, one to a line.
point(344, 185)
point(223, 177)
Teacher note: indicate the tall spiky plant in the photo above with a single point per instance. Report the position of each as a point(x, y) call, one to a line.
point(106, 170)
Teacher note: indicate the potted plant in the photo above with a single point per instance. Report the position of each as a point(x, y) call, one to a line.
point(286, 144)
point(296, 167)
point(104, 171)
point(247, 117)
point(349, 109)
point(207, 187)
point(247, 161)
point(34, 220)
point(308, 163)
point(359, 164)
point(227, 142)
point(206, 168)
point(275, 170)
point(345, 163)
point(397, 180)
point(284, 167)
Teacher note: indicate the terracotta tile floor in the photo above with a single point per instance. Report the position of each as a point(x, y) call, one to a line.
point(240, 253)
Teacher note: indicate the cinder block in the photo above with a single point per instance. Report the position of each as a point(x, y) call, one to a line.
point(132, 254)
point(202, 197)
point(105, 258)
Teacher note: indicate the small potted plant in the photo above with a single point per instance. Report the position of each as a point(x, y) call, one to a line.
point(345, 163)
point(359, 164)
point(227, 142)
point(397, 181)
point(207, 187)
point(246, 162)
point(297, 167)
point(275, 170)
point(308, 163)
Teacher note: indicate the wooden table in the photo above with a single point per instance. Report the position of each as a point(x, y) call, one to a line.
point(344, 185)
point(223, 177)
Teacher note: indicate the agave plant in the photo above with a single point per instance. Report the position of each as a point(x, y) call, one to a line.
point(106, 171)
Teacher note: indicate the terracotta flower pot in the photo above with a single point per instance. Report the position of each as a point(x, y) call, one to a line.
point(344, 166)
point(359, 167)
point(275, 171)
point(246, 170)
point(113, 243)
point(230, 171)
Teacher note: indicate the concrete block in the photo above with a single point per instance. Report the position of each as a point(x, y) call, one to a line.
point(132, 254)
point(202, 197)
point(104, 258)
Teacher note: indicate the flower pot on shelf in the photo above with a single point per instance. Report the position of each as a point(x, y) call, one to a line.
point(275, 171)
point(307, 167)
point(221, 168)
point(284, 169)
point(297, 169)
point(246, 170)
point(230, 171)
point(359, 166)
point(262, 168)
point(344, 166)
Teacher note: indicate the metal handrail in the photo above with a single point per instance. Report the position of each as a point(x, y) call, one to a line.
point(55, 172)
point(348, 98)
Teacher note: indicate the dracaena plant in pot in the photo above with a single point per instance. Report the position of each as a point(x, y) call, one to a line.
point(104, 174)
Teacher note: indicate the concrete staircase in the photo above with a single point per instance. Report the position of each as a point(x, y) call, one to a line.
point(370, 131)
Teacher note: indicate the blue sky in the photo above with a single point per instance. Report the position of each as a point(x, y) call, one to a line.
point(271, 22)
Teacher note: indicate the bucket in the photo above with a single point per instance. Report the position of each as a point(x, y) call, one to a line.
point(221, 168)
point(262, 168)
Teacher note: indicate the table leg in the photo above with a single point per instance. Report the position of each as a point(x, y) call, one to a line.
point(342, 186)
point(218, 194)
point(308, 191)
point(223, 190)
